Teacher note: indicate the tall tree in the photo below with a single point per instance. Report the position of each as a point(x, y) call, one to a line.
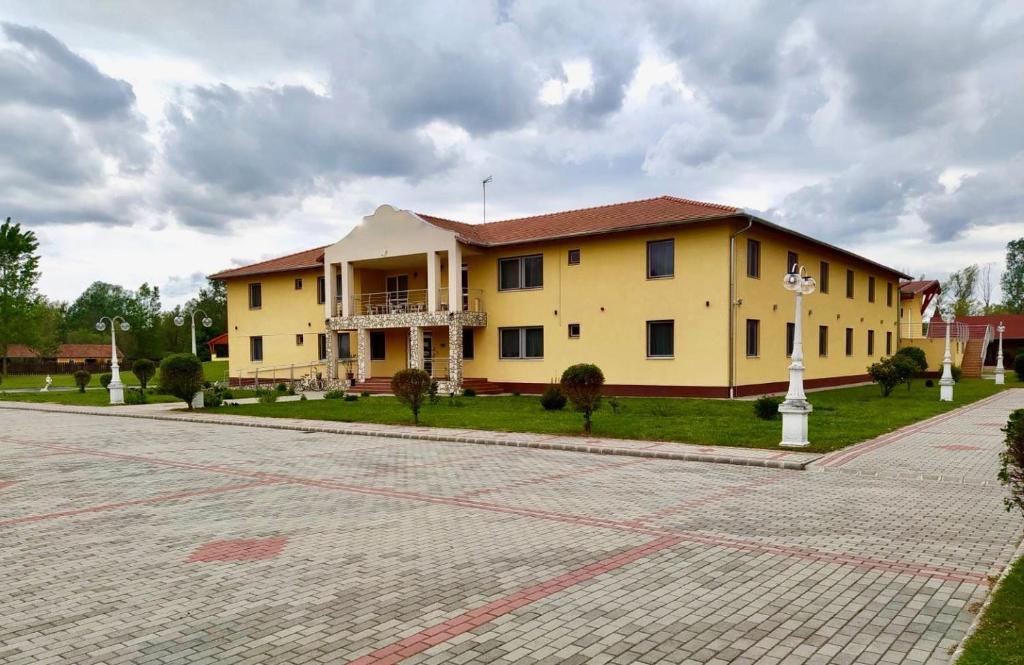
point(19, 276)
point(1013, 277)
point(959, 290)
point(985, 282)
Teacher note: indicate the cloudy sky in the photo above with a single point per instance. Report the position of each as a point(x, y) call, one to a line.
point(160, 141)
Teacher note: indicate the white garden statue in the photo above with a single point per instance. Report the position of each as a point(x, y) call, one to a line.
point(49, 382)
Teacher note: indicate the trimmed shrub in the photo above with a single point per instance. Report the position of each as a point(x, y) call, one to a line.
point(1018, 366)
point(468, 392)
point(281, 387)
point(181, 375)
point(144, 369)
point(105, 380)
point(212, 397)
point(364, 394)
point(134, 396)
point(267, 397)
point(82, 379)
point(582, 384)
point(432, 393)
point(766, 408)
point(351, 398)
point(553, 398)
point(916, 357)
point(615, 404)
point(229, 395)
point(410, 387)
point(337, 393)
point(890, 372)
point(957, 372)
point(929, 383)
point(302, 397)
point(1011, 471)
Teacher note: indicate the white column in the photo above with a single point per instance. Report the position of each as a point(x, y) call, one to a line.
point(433, 279)
point(796, 409)
point(946, 382)
point(347, 278)
point(115, 387)
point(455, 278)
point(1000, 372)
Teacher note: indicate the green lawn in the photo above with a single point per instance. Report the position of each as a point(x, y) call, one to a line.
point(999, 639)
point(88, 398)
point(214, 370)
point(841, 417)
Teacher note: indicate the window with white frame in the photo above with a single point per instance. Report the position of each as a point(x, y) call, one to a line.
point(521, 343)
point(521, 272)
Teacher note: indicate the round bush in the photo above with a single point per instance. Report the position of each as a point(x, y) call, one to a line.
point(553, 398)
point(411, 387)
point(468, 392)
point(766, 408)
point(105, 380)
point(957, 373)
point(144, 369)
point(82, 379)
point(582, 384)
point(1018, 366)
point(337, 393)
point(181, 375)
point(916, 355)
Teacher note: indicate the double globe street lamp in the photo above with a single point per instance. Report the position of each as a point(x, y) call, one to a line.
point(197, 400)
point(946, 382)
point(116, 388)
point(796, 409)
point(1000, 372)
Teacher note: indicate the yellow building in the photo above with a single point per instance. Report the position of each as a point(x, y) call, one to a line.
point(668, 296)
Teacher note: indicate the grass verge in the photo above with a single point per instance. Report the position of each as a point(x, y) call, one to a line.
point(213, 370)
point(841, 417)
point(73, 397)
point(999, 639)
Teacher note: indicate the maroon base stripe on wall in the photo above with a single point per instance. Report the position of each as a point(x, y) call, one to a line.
point(641, 390)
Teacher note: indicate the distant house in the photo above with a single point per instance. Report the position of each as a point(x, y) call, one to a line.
point(218, 347)
point(82, 354)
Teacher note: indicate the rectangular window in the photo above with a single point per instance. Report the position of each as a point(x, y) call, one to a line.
point(574, 330)
point(822, 340)
point(574, 257)
point(823, 277)
point(321, 290)
point(344, 345)
point(661, 339)
point(888, 294)
point(378, 342)
point(661, 259)
point(526, 342)
point(521, 272)
point(792, 262)
point(753, 258)
point(300, 339)
point(467, 343)
point(871, 289)
point(255, 295)
point(256, 349)
point(298, 283)
point(790, 338)
point(753, 338)
point(849, 341)
point(871, 342)
point(849, 283)
point(888, 343)
point(321, 346)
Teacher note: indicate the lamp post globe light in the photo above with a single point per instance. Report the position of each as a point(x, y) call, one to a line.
point(197, 400)
point(946, 382)
point(1000, 372)
point(116, 388)
point(796, 409)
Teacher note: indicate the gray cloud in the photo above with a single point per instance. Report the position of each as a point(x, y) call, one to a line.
point(990, 198)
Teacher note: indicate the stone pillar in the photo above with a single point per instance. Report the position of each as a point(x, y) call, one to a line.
point(433, 280)
point(416, 347)
point(455, 355)
point(455, 279)
point(362, 354)
point(332, 366)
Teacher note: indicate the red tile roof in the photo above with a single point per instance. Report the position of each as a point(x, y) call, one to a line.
point(21, 351)
point(304, 260)
point(632, 215)
point(1014, 323)
point(219, 339)
point(910, 289)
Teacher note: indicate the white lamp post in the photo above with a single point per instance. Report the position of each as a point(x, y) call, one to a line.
point(197, 399)
point(1000, 374)
point(946, 382)
point(116, 388)
point(796, 409)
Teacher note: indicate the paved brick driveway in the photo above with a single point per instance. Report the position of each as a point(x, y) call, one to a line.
point(135, 541)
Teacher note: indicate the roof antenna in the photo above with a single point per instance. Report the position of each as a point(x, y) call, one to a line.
point(484, 183)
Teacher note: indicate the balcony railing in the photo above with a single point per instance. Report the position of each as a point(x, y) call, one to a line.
point(409, 301)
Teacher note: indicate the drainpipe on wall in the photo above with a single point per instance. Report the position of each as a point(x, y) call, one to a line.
point(733, 304)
